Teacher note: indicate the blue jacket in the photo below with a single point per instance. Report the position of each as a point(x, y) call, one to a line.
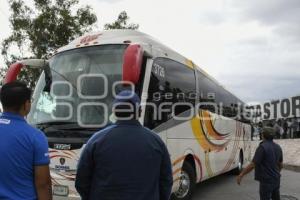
point(267, 158)
point(125, 161)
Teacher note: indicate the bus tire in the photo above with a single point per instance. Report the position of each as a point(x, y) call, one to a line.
point(187, 183)
point(239, 168)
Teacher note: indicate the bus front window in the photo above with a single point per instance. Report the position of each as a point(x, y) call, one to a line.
point(81, 86)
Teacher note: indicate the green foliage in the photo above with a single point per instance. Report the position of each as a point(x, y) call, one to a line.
point(44, 28)
point(49, 25)
point(121, 23)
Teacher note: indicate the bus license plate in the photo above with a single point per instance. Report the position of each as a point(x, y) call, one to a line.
point(60, 190)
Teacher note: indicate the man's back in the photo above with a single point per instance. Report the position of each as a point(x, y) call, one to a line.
point(20, 147)
point(267, 158)
point(129, 162)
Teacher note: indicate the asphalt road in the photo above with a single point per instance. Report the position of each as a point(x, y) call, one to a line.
point(224, 187)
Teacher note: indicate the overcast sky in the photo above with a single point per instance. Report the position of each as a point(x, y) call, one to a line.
point(251, 47)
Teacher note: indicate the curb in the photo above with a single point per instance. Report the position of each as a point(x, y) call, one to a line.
point(290, 167)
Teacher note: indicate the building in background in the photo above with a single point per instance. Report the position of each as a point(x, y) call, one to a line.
point(283, 115)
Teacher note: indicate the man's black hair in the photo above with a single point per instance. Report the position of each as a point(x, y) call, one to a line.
point(14, 94)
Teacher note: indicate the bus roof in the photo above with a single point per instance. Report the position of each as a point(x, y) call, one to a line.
point(124, 36)
point(128, 36)
point(118, 37)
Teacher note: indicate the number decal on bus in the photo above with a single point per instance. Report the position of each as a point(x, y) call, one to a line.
point(159, 70)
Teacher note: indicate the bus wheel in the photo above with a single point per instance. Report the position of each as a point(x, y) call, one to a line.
point(187, 183)
point(239, 168)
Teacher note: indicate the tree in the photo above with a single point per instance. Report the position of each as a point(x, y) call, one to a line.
point(38, 32)
point(121, 23)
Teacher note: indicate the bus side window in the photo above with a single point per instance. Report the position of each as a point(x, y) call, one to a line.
point(207, 93)
point(225, 103)
point(170, 82)
point(156, 93)
point(181, 84)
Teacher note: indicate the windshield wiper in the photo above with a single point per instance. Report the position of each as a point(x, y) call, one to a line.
point(48, 78)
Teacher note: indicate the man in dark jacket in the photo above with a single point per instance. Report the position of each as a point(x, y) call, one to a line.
point(125, 161)
point(267, 162)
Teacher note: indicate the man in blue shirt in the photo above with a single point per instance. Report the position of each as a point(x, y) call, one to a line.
point(125, 161)
point(267, 162)
point(24, 158)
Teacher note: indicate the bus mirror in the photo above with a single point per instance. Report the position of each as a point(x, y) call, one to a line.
point(132, 63)
point(13, 72)
point(14, 69)
point(34, 63)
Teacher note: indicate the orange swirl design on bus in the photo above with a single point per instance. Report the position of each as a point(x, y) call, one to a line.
point(235, 147)
point(198, 124)
point(207, 119)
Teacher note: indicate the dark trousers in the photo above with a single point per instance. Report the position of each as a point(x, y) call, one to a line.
point(268, 191)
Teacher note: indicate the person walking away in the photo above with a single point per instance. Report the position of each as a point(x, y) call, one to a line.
point(125, 161)
point(277, 129)
point(24, 168)
point(267, 163)
point(281, 131)
point(260, 127)
point(294, 127)
point(285, 129)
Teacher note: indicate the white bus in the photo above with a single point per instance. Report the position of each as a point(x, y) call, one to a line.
point(199, 120)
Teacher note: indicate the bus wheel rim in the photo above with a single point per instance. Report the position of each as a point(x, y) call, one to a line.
point(184, 185)
point(240, 165)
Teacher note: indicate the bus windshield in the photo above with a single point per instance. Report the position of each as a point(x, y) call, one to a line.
point(81, 87)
